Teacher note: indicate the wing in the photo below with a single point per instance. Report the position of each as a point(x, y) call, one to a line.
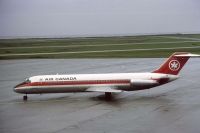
point(103, 89)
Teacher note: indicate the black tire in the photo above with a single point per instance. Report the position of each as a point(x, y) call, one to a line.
point(108, 96)
point(25, 98)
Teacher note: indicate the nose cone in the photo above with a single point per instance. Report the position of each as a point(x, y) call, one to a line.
point(15, 89)
point(18, 89)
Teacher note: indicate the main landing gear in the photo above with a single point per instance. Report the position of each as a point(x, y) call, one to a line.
point(108, 96)
point(25, 98)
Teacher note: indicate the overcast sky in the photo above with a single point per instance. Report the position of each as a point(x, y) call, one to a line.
point(59, 18)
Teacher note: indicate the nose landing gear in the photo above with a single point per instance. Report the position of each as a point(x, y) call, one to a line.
point(25, 98)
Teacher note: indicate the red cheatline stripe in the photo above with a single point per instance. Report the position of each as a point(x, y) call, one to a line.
point(87, 82)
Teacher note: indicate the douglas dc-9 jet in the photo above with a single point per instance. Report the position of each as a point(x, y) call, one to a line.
point(106, 83)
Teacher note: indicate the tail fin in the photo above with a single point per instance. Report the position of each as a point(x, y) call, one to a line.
point(174, 63)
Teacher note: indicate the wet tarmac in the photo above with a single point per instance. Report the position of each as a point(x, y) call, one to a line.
point(172, 108)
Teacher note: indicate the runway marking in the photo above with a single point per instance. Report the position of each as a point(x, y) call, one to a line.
point(96, 51)
point(97, 45)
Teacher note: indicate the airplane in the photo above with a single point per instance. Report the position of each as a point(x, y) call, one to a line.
point(105, 83)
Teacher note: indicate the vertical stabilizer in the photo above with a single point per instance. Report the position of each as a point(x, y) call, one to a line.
point(174, 63)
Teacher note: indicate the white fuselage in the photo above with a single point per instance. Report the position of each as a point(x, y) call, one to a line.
point(107, 83)
point(82, 82)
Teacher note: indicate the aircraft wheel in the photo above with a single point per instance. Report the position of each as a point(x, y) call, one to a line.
point(25, 98)
point(108, 95)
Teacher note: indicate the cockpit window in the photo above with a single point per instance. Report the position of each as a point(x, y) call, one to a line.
point(23, 83)
point(27, 81)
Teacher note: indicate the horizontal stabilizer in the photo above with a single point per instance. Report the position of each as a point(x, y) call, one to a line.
point(103, 89)
point(187, 55)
